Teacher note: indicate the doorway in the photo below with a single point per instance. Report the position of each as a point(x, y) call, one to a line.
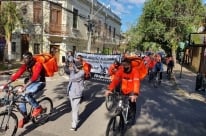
point(55, 51)
point(24, 44)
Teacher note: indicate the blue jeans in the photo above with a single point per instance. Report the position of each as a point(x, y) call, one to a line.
point(30, 91)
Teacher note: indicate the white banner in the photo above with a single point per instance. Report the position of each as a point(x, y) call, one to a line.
point(100, 63)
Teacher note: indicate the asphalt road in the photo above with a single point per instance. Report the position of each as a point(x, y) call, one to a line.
point(161, 111)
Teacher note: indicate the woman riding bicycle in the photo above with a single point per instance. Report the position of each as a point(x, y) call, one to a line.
point(36, 82)
point(130, 85)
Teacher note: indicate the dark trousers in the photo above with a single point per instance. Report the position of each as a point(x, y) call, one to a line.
point(132, 111)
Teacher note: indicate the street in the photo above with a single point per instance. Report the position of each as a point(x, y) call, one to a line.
point(161, 111)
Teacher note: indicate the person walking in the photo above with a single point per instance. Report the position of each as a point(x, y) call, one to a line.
point(75, 89)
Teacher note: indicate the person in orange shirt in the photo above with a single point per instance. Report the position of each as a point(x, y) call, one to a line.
point(113, 69)
point(130, 85)
point(86, 66)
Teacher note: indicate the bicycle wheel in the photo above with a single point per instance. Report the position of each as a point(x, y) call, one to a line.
point(8, 124)
point(61, 71)
point(47, 106)
point(110, 102)
point(115, 127)
point(155, 82)
point(169, 74)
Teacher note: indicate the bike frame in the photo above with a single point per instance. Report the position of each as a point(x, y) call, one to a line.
point(123, 107)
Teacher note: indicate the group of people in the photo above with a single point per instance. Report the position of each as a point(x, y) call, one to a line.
point(122, 74)
point(37, 81)
point(154, 63)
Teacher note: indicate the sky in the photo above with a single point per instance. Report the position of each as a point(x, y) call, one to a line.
point(128, 10)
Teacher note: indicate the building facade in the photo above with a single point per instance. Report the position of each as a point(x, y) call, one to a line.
point(57, 26)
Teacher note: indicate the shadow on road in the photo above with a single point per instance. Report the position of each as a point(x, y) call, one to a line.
point(163, 112)
point(94, 99)
point(58, 111)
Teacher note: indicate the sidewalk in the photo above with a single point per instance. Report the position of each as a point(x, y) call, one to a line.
point(186, 83)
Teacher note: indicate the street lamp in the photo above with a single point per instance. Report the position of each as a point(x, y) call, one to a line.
point(91, 24)
point(90, 31)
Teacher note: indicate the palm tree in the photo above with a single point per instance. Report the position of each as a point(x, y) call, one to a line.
point(9, 18)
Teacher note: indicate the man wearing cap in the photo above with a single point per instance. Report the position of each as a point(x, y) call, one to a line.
point(75, 89)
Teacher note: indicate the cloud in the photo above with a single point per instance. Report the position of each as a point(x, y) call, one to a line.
point(118, 6)
point(136, 2)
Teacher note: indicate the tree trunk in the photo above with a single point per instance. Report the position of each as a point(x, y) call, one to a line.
point(9, 57)
point(174, 55)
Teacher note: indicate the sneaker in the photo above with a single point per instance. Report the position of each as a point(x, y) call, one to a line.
point(37, 111)
point(73, 129)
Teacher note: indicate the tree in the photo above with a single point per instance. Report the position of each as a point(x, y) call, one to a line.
point(9, 19)
point(167, 22)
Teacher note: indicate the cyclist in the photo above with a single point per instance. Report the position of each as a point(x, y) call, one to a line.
point(35, 82)
point(75, 89)
point(150, 62)
point(170, 63)
point(130, 85)
point(113, 69)
point(158, 67)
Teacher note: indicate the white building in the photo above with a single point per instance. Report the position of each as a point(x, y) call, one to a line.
point(62, 25)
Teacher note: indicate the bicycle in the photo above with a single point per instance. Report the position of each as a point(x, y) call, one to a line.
point(111, 100)
point(150, 75)
point(156, 80)
point(8, 117)
point(169, 73)
point(118, 122)
point(64, 69)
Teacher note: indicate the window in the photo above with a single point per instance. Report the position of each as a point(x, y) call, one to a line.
point(36, 48)
point(114, 33)
point(55, 19)
point(37, 15)
point(99, 28)
point(75, 17)
point(105, 30)
point(13, 47)
point(55, 16)
point(110, 31)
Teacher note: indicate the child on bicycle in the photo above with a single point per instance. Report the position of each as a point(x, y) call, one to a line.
point(35, 83)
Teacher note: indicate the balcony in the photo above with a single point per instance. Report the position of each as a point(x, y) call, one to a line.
point(55, 29)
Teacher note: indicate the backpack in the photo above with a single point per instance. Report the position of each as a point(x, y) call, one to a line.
point(49, 63)
point(138, 63)
point(87, 71)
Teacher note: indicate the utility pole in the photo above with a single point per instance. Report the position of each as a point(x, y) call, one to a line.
point(90, 30)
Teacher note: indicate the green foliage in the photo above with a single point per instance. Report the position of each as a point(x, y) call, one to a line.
point(9, 17)
point(166, 22)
